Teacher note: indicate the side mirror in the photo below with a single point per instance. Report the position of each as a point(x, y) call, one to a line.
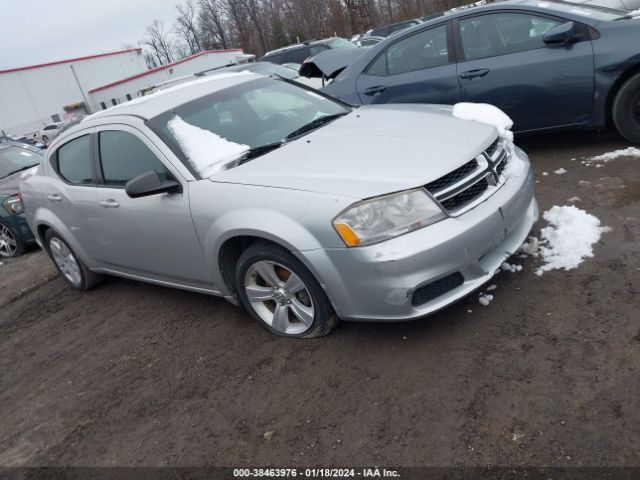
point(561, 35)
point(150, 183)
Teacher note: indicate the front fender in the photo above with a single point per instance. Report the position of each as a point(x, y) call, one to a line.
point(254, 222)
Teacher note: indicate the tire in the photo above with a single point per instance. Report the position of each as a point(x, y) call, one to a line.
point(11, 244)
point(75, 273)
point(286, 299)
point(626, 109)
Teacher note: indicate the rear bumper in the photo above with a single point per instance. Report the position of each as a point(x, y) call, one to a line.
point(378, 282)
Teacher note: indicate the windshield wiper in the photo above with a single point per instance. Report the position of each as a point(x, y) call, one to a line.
point(256, 152)
point(313, 124)
point(20, 170)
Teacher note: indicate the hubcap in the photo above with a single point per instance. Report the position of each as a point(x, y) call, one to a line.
point(65, 261)
point(8, 244)
point(279, 297)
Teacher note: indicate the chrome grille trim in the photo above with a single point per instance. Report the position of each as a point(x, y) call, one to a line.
point(489, 167)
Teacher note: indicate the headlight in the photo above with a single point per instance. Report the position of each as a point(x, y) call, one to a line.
point(13, 205)
point(386, 217)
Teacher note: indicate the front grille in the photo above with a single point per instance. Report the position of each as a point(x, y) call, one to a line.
point(453, 177)
point(493, 148)
point(467, 183)
point(433, 290)
point(466, 196)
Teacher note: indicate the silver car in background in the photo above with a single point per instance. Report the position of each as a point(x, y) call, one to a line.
point(279, 198)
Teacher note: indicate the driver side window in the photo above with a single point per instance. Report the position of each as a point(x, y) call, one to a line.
point(503, 33)
point(426, 49)
point(123, 156)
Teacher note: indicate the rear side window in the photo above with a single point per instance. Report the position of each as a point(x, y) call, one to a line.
point(298, 55)
point(74, 161)
point(427, 49)
point(124, 156)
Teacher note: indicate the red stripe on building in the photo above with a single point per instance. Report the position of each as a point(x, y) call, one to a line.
point(79, 59)
point(160, 68)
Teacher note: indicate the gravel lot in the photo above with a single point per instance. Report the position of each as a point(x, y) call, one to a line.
point(135, 374)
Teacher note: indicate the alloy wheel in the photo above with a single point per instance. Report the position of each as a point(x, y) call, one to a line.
point(279, 297)
point(8, 243)
point(66, 261)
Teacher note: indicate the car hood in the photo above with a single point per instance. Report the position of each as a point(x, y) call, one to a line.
point(371, 151)
point(11, 185)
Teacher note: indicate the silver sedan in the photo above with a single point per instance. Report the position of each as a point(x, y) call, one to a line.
point(300, 208)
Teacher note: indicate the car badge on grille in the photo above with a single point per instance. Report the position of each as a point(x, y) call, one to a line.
point(488, 167)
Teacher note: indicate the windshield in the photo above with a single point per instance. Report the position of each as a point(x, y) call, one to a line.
point(586, 10)
point(247, 116)
point(15, 159)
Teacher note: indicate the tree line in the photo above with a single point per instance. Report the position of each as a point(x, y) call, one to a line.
point(258, 26)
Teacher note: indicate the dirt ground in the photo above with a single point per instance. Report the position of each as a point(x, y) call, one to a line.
point(136, 374)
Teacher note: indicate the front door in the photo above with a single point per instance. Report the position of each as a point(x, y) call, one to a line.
point(151, 236)
point(507, 64)
point(417, 68)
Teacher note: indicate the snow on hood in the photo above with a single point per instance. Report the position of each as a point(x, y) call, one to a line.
point(485, 113)
point(569, 238)
point(207, 152)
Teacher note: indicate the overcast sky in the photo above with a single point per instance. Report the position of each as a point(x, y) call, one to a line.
point(41, 31)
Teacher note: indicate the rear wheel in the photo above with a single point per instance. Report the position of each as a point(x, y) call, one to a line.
point(281, 294)
point(11, 245)
point(69, 265)
point(626, 109)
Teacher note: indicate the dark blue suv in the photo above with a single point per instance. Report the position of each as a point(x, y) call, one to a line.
point(17, 161)
point(548, 64)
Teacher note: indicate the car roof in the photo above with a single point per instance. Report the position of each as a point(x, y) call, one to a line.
point(25, 146)
point(160, 101)
point(299, 45)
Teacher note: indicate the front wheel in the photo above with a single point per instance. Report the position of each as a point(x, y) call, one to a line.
point(68, 264)
point(281, 294)
point(626, 109)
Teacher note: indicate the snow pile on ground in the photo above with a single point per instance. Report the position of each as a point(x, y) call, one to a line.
point(635, 13)
point(560, 171)
point(485, 299)
point(510, 267)
point(607, 157)
point(207, 152)
point(485, 113)
point(568, 239)
point(531, 247)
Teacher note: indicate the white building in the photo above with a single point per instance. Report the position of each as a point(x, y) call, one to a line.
point(33, 96)
point(113, 93)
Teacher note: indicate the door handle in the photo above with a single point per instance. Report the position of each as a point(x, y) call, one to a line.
point(371, 91)
point(54, 197)
point(109, 203)
point(481, 72)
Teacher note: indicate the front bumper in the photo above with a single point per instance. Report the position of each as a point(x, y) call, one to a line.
point(378, 282)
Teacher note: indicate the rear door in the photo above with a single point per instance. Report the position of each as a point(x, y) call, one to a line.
point(504, 61)
point(416, 68)
point(151, 236)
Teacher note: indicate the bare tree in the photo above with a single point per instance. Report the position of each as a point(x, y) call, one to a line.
point(186, 27)
point(213, 25)
point(159, 42)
